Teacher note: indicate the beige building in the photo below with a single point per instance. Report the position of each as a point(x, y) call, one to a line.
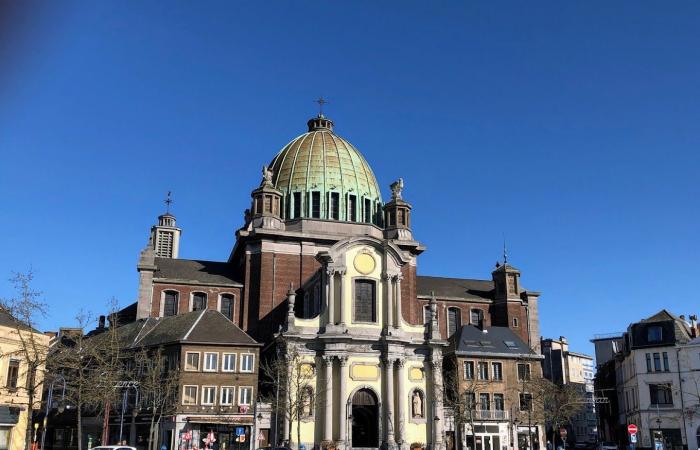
point(15, 410)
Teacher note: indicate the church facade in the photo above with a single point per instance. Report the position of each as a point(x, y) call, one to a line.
point(325, 269)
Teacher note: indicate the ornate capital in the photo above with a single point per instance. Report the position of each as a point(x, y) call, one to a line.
point(330, 271)
point(343, 360)
point(401, 362)
point(327, 360)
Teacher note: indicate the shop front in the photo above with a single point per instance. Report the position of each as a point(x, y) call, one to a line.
point(213, 433)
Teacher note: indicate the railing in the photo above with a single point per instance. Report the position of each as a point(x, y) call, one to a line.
point(491, 414)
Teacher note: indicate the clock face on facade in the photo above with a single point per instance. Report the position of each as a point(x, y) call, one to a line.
point(364, 263)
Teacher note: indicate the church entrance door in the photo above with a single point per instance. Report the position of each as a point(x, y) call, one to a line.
point(365, 419)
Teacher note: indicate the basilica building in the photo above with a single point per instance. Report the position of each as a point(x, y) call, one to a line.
point(324, 267)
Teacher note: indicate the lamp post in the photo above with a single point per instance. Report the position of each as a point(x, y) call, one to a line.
point(49, 401)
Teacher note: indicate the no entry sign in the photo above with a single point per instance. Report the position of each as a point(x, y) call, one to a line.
point(632, 428)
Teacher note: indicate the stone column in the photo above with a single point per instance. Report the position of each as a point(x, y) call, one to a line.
point(344, 375)
point(397, 316)
point(328, 419)
point(438, 416)
point(390, 300)
point(330, 298)
point(341, 302)
point(389, 374)
point(401, 410)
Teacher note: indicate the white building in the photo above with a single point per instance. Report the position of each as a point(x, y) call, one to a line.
point(689, 358)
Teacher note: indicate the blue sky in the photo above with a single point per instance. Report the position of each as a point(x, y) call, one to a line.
point(569, 128)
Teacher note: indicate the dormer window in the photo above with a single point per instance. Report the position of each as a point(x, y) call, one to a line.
point(655, 333)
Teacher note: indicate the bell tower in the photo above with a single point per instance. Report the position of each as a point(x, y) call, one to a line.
point(166, 235)
point(397, 215)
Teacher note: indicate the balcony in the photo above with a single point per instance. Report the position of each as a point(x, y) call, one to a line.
point(490, 414)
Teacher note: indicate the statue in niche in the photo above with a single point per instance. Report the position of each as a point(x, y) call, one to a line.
point(396, 188)
point(417, 403)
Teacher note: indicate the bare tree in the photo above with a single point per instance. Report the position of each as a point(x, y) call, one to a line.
point(462, 386)
point(24, 310)
point(289, 377)
point(557, 404)
point(74, 357)
point(158, 382)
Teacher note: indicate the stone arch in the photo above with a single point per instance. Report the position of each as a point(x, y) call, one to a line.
point(364, 409)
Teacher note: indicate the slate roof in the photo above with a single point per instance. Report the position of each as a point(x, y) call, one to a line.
point(681, 328)
point(470, 340)
point(8, 320)
point(454, 287)
point(198, 327)
point(198, 271)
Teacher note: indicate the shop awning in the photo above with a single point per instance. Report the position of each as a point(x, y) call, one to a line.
point(221, 420)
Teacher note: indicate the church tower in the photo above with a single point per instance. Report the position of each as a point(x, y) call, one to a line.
point(165, 236)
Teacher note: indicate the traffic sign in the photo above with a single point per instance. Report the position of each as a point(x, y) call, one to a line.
point(633, 438)
point(240, 431)
point(632, 428)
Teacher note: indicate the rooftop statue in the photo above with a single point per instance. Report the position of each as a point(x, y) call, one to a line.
point(267, 175)
point(396, 188)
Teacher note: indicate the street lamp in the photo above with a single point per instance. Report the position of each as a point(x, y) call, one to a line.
point(49, 402)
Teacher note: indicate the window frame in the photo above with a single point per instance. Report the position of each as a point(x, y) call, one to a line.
point(312, 206)
point(232, 390)
point(467, 375)
point(528, 372)
point(13, 363)
point(240, 391)
point(498, 364)
point(232, 296)
point(196, 394)
point(485, 375)
point(206, 300)
point(375, 309)
point(223, 359)
point(333, 205)
point(525, 395)
point(480, 312)
point(457, 319)
point(205, 389)
point(163, 298)
point(252, 365)
point(199, 361)
point(204, 361)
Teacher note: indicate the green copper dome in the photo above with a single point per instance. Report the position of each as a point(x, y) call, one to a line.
point(323, 176)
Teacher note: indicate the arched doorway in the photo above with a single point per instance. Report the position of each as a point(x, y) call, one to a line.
point(365, 419)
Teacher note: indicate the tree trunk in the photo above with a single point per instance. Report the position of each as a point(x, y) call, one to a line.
point(80, 426)
point(30, 408)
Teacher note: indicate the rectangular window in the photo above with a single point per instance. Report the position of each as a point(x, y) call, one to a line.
point(497, 369)
point(228, 363)
point(402, 217)
point(468, 370)
point(665, 357)
point(654, 334)
point(648, 362)
point(484, 402)
point(170, 306)
point(245, 395)
point(657, 362)
point(661, 394)
point(208, 395)
point(499, 403)
point(352, 208)
point(483, 371)
point(191, 361)
point(13, 374)
point(334, 207)
point(227, 394)
point(368, 210)
point(454, 321)
point(523, 372)
point(471, 400)
point(211, 362)
point(189, 395)
point(316, 205)
point(296, 206)
point(525, 402)
point(365, 301)
point(247, 360)
point(426, 314)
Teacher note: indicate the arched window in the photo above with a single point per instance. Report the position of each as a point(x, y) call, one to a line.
point(170, 303)
point(365, 304)
point(454, 320)
point(199, 301)
point(477, 317)
point(226, 306)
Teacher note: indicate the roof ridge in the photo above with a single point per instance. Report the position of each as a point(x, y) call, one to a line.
point(194, 324)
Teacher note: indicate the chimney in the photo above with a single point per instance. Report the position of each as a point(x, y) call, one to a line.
point(693, 325)
point(101, 323)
